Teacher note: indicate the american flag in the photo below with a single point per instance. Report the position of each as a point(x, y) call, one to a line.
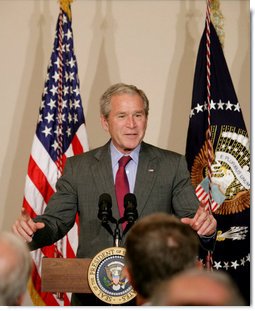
point(60, 133)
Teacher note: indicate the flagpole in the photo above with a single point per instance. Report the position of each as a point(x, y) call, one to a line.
point(64, 7)
point(60, 97)
point(209, 132)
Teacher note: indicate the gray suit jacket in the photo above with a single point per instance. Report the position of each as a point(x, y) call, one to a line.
point(162, 184)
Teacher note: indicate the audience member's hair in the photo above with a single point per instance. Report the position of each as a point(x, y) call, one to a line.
point(196, 287)
point(157, 247)
point(15, 269)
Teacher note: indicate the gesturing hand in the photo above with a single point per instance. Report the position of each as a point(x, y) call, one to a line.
point(203, 222)
point(25, 227)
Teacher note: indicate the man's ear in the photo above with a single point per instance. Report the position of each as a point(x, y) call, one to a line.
point(104, 123)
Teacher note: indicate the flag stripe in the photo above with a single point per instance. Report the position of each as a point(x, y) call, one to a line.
point(77, 147)
point(44, 162)
point(34, 197)
point(39, 180)
point(82, 136)
point(28, 208)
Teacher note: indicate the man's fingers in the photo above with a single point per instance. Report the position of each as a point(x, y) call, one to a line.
point(39, 225)
point(30, 227)
point(199, 211)
point(203, 222)
point(200, 219)
point(187, 221)
point(26, 227)
point(21, 232)
point(26, 222)
point(208, 227)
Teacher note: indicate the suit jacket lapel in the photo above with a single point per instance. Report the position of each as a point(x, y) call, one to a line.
point(103, 176)
point(146, 175)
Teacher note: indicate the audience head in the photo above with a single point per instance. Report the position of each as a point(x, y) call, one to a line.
point(15, 269)
point(195, 287)
point(157, 247)
point(119, 89)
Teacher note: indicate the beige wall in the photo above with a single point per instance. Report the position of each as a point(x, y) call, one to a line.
point(152, 44)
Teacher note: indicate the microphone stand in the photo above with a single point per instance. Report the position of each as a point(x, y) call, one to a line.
point(107, 227)
point(105, 215)
point(116, 235)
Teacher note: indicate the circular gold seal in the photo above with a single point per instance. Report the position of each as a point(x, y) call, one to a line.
point(107, 279)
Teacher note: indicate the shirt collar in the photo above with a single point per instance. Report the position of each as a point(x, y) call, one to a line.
point(116, 155)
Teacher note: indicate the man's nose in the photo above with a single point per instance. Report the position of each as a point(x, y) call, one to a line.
point(131, 121)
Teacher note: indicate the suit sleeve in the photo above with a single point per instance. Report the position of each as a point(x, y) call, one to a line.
point(186, 202)
point(184, 199)
point(59, 215)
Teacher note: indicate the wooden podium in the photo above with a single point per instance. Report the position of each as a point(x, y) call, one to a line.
point(60, 275)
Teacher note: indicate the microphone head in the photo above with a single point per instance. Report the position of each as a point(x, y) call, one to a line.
point(104, 208)
point(106, 199)
point(130, 200)
point(130, 204)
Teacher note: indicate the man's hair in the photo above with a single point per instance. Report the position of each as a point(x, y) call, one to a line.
point(118, 89)
point(157, 247)
point(200, 288)
point(15, 268)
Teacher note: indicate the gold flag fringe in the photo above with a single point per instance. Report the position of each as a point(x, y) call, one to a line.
point(65, 6)
point(218, 20)
point(35, 297)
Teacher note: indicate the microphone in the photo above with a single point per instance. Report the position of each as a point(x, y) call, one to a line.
point(130, 211)
point(105, 205)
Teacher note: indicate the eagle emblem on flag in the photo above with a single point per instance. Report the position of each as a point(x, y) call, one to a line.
point(230, 171)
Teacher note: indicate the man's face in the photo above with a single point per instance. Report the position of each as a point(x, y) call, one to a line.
point(126, 122)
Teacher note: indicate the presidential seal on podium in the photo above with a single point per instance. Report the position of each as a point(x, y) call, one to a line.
point(106, 277)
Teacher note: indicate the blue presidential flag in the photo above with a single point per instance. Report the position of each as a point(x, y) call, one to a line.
point(230, 177)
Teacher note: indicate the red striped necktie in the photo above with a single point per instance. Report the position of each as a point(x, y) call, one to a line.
point(121, 184)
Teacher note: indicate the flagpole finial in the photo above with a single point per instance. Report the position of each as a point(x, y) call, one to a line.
point(218, 20)
point(65, 5)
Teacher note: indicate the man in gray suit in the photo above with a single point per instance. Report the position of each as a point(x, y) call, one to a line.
point(158, 178)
